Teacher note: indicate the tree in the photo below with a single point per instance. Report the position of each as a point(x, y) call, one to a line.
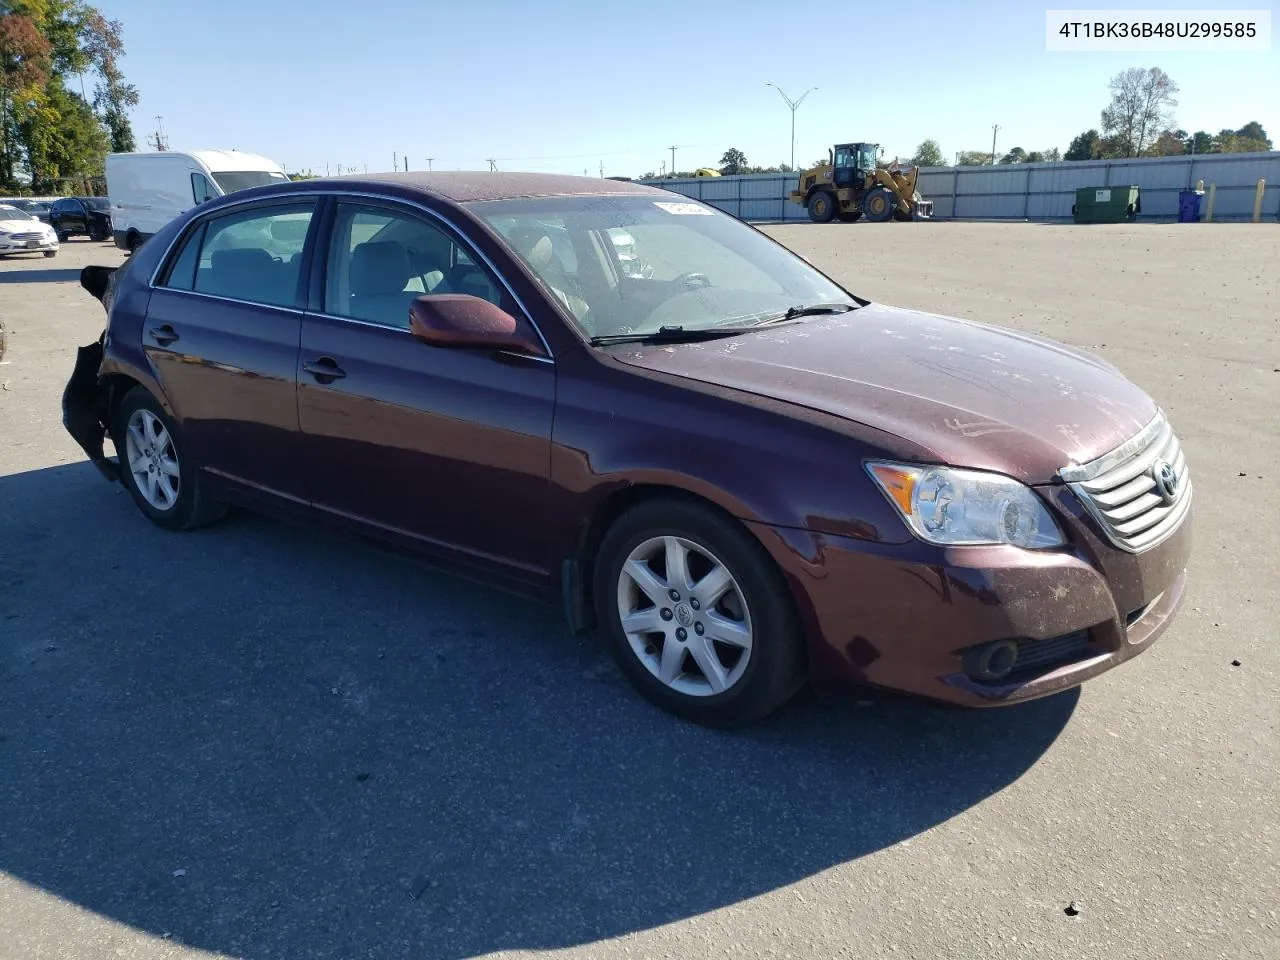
point(733, 161)
point(112, 97)
point(24, 69)
point(973, 158)
point(1053, 154)
point(1170, 143)
point(1142, 103)
point(72, 147)
point(1084, 147)
point(1016, 155)
point(1253, 131)
point(928, 154)
point(1199, 142)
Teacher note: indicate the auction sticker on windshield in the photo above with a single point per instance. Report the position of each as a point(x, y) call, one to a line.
point(683, 209)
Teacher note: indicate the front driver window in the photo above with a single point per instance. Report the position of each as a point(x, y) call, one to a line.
point(381, 260)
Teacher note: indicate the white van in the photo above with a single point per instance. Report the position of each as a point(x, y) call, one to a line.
point(147, 190)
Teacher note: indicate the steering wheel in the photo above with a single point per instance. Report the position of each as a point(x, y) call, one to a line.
point(691, 279)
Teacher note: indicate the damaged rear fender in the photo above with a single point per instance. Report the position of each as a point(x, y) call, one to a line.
point(86, 399)
point(84, 408)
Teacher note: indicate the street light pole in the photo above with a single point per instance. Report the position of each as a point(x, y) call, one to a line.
point(794, 105)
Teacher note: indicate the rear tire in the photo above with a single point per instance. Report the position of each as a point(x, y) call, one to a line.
point(822, 206)
point(669, 641)
point(163, 482)
point(132, 242)
point(62, 236)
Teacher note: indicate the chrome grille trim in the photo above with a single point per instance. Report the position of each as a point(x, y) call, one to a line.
point(26, 236)
point(1119, 488)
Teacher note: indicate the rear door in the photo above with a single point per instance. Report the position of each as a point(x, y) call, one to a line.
point(444, 447)
point(222, 332)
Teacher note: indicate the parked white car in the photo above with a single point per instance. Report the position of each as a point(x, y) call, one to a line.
point(147, 190)
point(21, 232)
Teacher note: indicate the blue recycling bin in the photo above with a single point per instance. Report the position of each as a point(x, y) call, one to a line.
point(1189, 206)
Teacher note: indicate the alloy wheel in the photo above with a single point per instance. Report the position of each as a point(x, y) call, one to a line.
point(152, 459)
point(684, 616)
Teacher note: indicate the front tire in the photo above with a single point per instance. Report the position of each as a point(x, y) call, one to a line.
point(164, 484)
point(878, 205)
point(50, 253)
point(697, 615)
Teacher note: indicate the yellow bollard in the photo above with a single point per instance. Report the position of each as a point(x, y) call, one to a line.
point(1208, 210)
point(1257, 200)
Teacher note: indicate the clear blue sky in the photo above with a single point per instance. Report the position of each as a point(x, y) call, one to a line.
point(564, 85)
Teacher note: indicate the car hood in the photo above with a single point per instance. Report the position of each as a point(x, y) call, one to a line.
point(17, 223)
point(971, 394)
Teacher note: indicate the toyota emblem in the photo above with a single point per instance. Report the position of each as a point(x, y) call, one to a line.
point(1166, 480)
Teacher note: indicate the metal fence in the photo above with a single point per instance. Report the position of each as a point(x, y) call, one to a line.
point(1027, 191)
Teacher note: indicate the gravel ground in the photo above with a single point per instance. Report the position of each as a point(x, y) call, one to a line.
point(258, 741)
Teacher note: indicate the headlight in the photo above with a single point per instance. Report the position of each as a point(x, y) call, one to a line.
point(955, 507)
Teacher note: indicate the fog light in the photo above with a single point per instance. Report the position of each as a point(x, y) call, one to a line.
point(991, 661)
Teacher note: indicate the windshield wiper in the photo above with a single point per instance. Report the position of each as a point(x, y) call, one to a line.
point(807, 310)
point(671, 334)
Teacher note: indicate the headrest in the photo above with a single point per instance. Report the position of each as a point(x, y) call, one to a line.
point(379, 267)
point(240, 258)
point(534, 245)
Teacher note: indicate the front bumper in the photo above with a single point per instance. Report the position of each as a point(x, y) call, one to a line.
point(40, 245)
point(910, 617)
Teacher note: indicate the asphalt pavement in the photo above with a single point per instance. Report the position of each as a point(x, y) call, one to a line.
point(260, 741)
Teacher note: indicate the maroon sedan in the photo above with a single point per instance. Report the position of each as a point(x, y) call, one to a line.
point(742, 473)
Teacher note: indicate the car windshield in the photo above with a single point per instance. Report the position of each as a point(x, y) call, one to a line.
point(97, 203)
point(230, 182)
point(633, 264)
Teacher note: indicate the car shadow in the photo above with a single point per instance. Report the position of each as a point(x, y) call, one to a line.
point(38, 276)
point(266, 741)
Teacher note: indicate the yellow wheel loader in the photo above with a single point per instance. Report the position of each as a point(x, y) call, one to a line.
point(850, 186)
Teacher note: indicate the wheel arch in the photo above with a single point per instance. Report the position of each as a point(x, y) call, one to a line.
point(578, 569)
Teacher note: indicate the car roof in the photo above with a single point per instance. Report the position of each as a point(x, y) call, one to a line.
point(469, 186)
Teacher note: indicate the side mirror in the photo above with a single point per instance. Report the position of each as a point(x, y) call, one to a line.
point(461, 320)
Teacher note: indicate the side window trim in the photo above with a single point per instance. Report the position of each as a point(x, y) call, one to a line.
point(324, 199)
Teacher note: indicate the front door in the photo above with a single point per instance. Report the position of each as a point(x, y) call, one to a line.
point(442, 447)
point(222, 332)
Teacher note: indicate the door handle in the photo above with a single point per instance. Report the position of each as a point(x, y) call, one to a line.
point(324, 369)
point(164, 335)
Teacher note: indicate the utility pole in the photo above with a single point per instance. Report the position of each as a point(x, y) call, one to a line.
point(429, 159)
point(406, 163)
point(673, 161)
point(794, 105)
point(601, 169)
point(994, 129)
point(395, 160)
point(493, 165)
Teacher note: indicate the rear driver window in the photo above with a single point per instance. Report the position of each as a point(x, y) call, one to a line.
point(255, 256)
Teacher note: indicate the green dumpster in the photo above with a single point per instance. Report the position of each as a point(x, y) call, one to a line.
point(1107, 205)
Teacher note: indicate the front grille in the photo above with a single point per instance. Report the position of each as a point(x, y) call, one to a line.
point(24, 237)
point(1127, 490)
